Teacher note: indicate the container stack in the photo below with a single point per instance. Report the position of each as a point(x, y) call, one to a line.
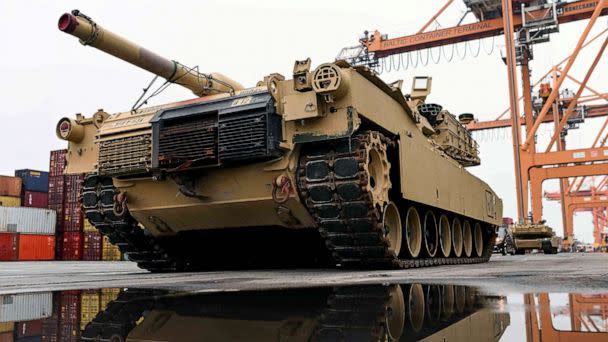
point(63, 192)
point(109, 251)
point(90, 305)
point(27, 233)
point(10, 191)
point(69, 316)
point(35, 187)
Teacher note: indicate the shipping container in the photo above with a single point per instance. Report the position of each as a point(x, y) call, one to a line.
point(109, 251)
point(10, 186)
point(34, 199)
point(36, 247)
point(91, 246)
point(71, 248)
point(57, 162)
point(9, 246)
point(72, 217)
point(108, 295)
point(69, 316)
point(10, 201)
point(28, 328)
point(6, 337)
point(56, 189)
point(50, 326)
point(7, 327)
point(25, 306)
point(29, 339)
point(33, 180)
point(72, 188)
point(27, 220)
point(89, 307)
point(87, 226)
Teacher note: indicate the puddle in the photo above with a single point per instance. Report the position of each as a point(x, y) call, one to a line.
point(406, 312)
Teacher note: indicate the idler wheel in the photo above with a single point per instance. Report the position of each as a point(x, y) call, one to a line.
point(415, 307)
point(478, 235)
point(431, 234)
point(447, 301)
point(392, 228)
point(467, 239)
point(395, 314)
point(413, 233)
point(445, 236)
point(457, 237)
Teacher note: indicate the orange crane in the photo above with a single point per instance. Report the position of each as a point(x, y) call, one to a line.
point(534, 21)
point(588, 318)
point(594, 200)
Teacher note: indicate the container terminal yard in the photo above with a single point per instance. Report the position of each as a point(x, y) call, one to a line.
point(408, 171)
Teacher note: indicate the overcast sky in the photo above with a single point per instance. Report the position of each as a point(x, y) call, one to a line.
point(48, 74)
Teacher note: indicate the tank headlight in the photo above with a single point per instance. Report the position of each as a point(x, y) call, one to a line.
point(70, 130)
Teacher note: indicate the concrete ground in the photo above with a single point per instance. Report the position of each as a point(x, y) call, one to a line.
point(503, 274)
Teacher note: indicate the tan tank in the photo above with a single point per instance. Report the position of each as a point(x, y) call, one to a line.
point(530, 236)
point(330, 166)
point(359, 313)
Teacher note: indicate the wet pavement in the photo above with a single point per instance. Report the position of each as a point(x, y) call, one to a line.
point(586, 273)
point(512, 298)
point(381, 312)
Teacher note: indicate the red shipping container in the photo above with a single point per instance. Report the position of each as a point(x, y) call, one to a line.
point(29, 328)
point(57, 162)
point(35, 199)
point(92, 246)
point(56, 188)
point(9, 246)
point(72, 246)
point(36, 247)
point(73, 219)
point(6, 337)
point(72, 188)
point(69, 316)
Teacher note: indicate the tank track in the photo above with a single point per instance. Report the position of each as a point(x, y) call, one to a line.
point(356, 313)
point(333, 182)
point(98, 201)
point(116, 321)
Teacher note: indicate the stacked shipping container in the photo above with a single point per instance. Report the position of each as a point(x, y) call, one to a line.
point(34, 191)
point(52, 317)
point(27, 234)
point(10, 191)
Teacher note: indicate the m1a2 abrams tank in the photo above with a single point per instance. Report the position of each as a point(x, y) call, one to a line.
point(332, 165)
point(530, 236)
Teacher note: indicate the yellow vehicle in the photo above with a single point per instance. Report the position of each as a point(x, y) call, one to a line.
point(332, 165)
point(410, 312)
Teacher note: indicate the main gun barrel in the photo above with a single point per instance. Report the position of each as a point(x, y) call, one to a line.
point(90, 33)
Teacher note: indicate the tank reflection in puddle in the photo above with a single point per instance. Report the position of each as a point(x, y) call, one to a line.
point(359, 313)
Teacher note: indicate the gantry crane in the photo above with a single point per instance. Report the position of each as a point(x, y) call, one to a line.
point(534, 21)
point(588, 318)
point(594, 200)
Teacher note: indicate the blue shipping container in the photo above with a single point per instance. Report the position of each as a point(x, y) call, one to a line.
point(34, 180)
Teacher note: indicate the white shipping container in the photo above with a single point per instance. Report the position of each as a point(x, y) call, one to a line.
point(25, 306)
point(27, 220)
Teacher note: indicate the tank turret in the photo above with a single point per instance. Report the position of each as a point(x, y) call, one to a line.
point(90, 33)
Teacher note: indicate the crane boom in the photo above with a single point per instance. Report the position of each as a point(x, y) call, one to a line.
point(566, 12)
